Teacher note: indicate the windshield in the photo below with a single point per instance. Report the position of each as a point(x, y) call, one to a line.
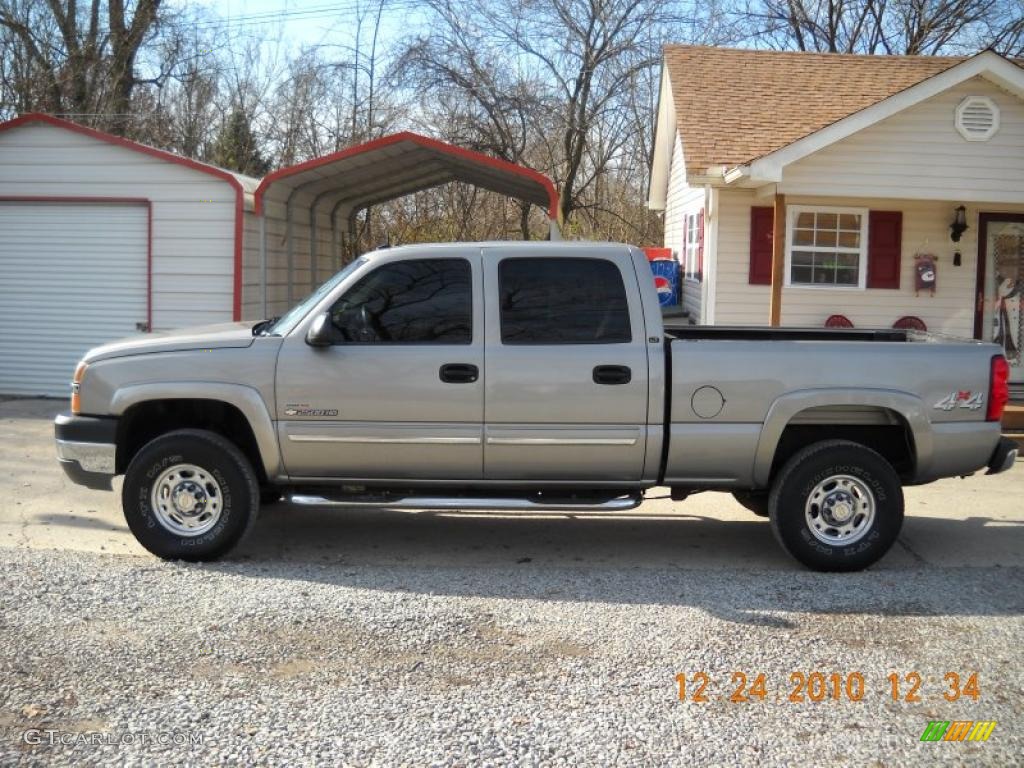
point(291, 318)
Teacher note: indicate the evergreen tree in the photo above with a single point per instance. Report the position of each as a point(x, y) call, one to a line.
point(235, 147)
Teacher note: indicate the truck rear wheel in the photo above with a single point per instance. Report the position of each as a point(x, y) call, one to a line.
point(190, 495)
point(836, 506)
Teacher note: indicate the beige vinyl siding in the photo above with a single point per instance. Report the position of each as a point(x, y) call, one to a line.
point(681, 200)
point(919, 154)
point(736, 301)
point(925, 229)
point(193, 213)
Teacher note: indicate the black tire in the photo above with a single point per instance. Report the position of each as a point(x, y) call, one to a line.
point(795, 484)
point(755, 501)
point(238, 489)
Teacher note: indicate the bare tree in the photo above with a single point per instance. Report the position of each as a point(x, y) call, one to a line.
point(82, 58)
point(914, 27)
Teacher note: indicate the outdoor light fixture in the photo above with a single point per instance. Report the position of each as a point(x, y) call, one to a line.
point(959, 225)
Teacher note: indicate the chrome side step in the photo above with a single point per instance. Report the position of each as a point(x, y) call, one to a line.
point(472, 503)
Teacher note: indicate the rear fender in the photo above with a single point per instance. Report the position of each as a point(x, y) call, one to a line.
point(910, 407)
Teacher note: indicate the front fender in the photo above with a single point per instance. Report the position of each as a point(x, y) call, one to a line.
point(910, 407)
point(245, 399)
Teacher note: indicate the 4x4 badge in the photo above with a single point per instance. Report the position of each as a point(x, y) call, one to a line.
point(963, 399)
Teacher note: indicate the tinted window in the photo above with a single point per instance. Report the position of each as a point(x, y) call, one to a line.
point(424, 301)
point(562, 301)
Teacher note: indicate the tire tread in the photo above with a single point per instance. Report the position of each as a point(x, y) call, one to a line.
point(792, 465)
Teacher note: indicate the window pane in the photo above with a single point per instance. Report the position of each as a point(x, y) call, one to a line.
point(803, 237)
point(849, 221)
point(824, 275)
point(825, 239)
point(562, 301)
point(849, 239)
point(846, 276)
point(801, 274)
point(827, 220)
point(420, 301)
point(826, 248)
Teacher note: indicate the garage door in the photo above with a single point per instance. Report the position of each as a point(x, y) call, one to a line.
point(72, 275)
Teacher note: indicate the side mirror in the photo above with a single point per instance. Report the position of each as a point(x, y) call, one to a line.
point(319, 333)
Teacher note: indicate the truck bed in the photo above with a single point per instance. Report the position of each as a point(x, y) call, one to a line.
point(733, 389)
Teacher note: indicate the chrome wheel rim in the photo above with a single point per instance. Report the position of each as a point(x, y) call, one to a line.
point(840, 510)
point(187, 500)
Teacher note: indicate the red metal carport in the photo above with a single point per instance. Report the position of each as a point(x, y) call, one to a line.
point(305, 211)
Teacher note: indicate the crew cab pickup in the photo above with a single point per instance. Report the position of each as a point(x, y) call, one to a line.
point(526, 376)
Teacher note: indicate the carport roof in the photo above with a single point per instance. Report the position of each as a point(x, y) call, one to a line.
point(398, 165)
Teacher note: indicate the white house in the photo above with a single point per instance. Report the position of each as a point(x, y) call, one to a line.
point(844, 174)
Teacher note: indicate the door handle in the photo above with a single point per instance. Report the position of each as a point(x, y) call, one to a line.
point(459, 373)
point(612, 374)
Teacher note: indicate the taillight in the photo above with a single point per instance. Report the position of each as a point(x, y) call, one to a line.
point(76, 385)
point(998, 388)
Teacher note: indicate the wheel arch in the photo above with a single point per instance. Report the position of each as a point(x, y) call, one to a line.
point(246, 419)
point(785, 412)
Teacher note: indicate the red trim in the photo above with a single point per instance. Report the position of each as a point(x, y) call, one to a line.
point(762, 238)
point(700, 245)
point(885, 249)
point(386, 141)
point(170, 157)
point(106, 200)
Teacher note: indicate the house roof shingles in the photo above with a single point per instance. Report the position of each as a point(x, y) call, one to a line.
point(733, 106)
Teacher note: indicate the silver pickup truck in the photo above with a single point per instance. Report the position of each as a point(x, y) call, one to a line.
point(530, 376)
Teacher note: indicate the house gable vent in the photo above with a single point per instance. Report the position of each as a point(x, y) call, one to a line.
point(977, 118)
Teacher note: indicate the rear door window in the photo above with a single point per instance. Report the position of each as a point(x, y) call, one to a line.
point(562, 301)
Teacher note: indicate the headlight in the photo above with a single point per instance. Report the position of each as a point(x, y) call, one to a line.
point(76, 385)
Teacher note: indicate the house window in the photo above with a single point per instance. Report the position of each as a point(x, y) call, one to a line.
point(827, 247)
point(692, 256)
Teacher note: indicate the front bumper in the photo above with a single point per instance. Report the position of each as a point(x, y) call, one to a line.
point(87, 449)
point(1003, 457)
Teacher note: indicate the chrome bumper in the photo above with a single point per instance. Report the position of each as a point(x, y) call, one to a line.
point(91, 457)
point(87, 449)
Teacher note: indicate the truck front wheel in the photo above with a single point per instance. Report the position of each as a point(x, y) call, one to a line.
point(190, 495)
point(836, 506)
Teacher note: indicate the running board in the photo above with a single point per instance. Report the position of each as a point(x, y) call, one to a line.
point(473, 503)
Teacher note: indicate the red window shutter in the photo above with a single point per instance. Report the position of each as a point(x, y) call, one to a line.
point(762, 229)
point(700, 245)
point(885, 237)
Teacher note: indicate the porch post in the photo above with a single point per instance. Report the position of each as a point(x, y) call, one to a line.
point(778, 260)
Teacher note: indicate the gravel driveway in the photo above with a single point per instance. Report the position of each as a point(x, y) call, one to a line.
point(376, 638)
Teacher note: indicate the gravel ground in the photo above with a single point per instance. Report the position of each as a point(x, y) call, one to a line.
point(515, 664)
